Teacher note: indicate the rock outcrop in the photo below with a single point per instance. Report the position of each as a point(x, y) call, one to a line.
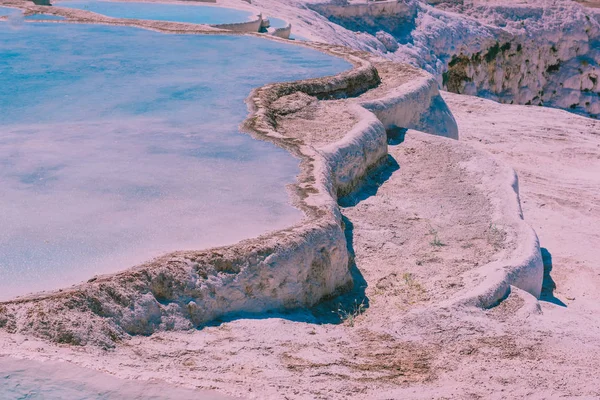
point(539, 54)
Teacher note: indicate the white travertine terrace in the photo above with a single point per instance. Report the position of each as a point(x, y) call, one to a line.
point(292, 268)
point(283, 32)
point(251, 26)
point(452, 346)
point(296, 267)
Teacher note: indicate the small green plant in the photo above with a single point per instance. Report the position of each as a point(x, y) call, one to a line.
point(492, 52)
point(349, 315)
point(437, 242)
point(408, 278)
point(415, 287)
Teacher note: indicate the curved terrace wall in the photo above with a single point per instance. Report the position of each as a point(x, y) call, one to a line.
point(295, 267)
point(242, 27)
point(520, 263)
point(284, 32)
point(427, 111)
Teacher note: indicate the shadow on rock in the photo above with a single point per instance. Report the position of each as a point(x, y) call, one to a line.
point(371, 185)
point(335, 310)
point(348, 305)
point(395, 135)
point(548, 284)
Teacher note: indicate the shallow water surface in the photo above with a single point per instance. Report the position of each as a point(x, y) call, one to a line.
point(8, 11)
point(24, 379)
point(197, 14)
point(277, 23)
point(118, 144)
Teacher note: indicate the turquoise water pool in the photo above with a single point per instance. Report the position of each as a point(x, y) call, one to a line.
point(7, 11)
point(277, 23)
point(118, 144)
point(197, 14)
point(35, 380)
point(280, 23)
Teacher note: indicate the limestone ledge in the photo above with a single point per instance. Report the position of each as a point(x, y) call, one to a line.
point(519, 264)
point(283, 33)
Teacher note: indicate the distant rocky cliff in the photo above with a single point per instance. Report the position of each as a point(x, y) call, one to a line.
point(539, 54)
